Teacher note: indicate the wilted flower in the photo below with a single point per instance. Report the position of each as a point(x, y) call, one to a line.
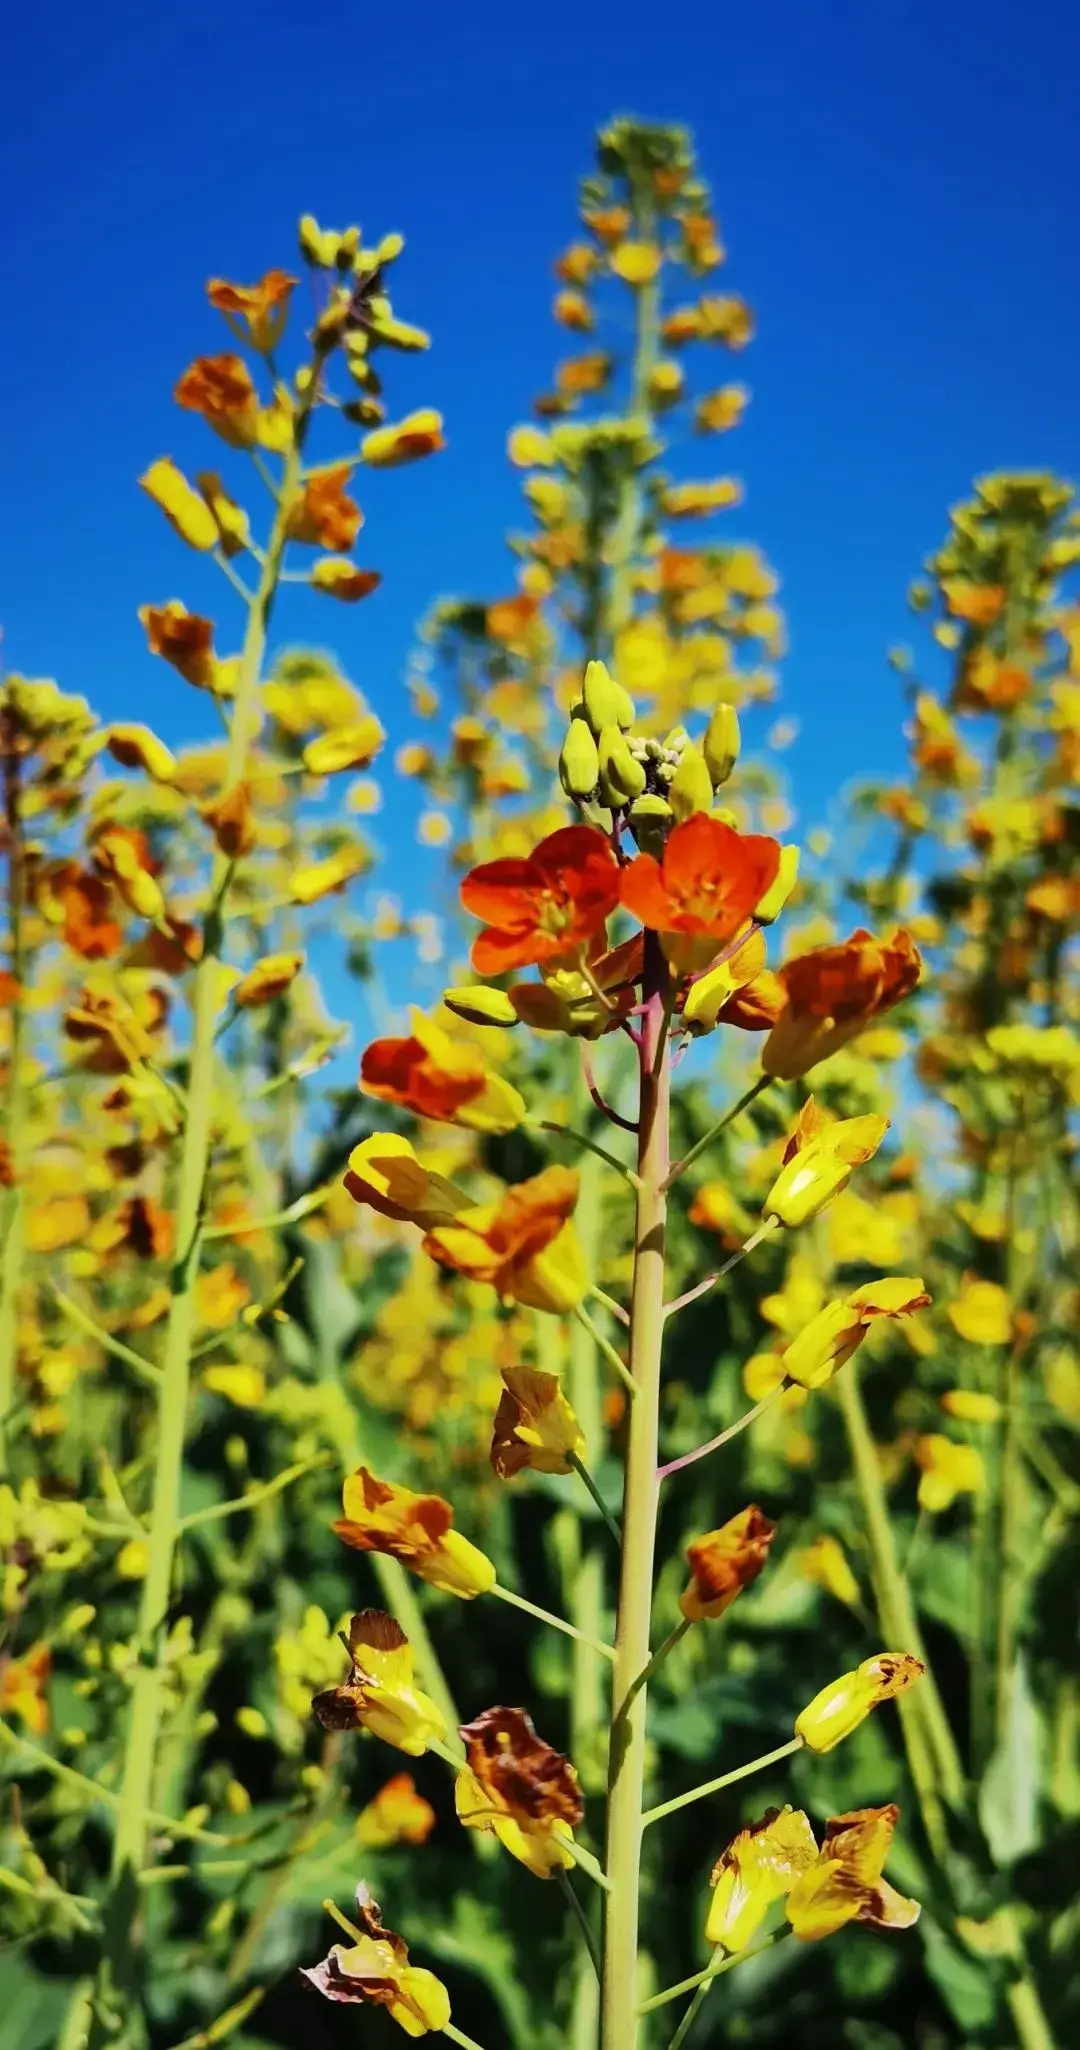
point(385, 1173)
point(844, 1883)
point(261, 309)
point(725, 1561)
point(323, 513)
point(266, 980)
point(439, 1077)
point(220, 388)
point(534, 1425)
point(845, 1703)
point(183, 639)
point(519, 1788)
point(546, 906)
point(820, 1158)
point(378, 1693)
point(375, 1970)
point(835, 1333)
point(833, 993)
point(417, 1529)
point(524, 1245)
point(759, 1866)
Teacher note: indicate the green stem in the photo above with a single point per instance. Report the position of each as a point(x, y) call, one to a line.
point(263, 1493)
point(613, 1358)
point(556, 1622)
point(459, 2036)
point(1009, 1578)
point(931, 1746)
point(584, 1475)
point(83, 1321)
point(721, 1125)
point(581, 1918)
point(16, 1107)
point(712, 1971)
point(726, 1779)
point(589, 1146)
point(79, 1783)
point(626, 1772)
point(673, 1638)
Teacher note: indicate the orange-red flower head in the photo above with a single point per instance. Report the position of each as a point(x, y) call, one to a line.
point(220, 388)
point(546, 906)
point(832, 993)
point(706, 884)
point(525, 1245)
point(417, 1529)
point(724, 1562)
point(440, 1077)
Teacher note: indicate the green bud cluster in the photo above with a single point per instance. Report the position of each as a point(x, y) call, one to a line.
point(653, 782)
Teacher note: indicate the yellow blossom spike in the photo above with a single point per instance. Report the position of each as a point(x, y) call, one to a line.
point(760, 1865)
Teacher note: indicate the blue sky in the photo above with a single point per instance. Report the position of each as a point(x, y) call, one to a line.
point(893, 182)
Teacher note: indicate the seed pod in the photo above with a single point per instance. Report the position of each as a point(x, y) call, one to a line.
point(480, 1005)
point(721, 744)
point(606, 702)
point(691, 785)
point(579, 761)
point(618, 769)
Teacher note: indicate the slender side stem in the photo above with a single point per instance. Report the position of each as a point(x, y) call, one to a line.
point(673, 1638)
point(701, 1288)
point(626, 1773)
point(144, 1719)
point(609, 1302)
point(712, 1971)
point(726, 1779)
point(925, 1724)
point(93, 1789)
point(589, 1146)
point(263, 1493)
point(458, 2036)
point(584, 1475)
point(581, 1918)
point(16, 1105)
point(613, 1358)
point(721, 1125)
point(555, 1622)
point(750, 1416)
point(83, 1321)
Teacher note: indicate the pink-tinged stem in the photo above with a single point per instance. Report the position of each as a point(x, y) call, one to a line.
point(616, 1117)
point(714, 1444)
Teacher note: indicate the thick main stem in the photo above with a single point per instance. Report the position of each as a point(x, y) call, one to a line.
point(11, 1199)
point(626, 1771)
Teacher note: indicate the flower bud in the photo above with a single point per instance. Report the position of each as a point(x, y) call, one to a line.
point(691, 786)
point(579, 760)
point(317, 245)
point(619, 771)
point(721, 744)
point(970, 1406)
point(606, 702)
point(777, 894)
point(479, 1005)
point(845, 1703)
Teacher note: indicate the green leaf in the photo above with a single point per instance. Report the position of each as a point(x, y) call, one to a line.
point(965, 1985)
point(1009, 1795)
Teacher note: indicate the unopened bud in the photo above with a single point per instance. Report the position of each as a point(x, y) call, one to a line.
point(606, 702)
point(579, 762)
point(318, 246)
point(721, 744)
point(691, 786)
point(618, 769)
point(479, 1005)
point(777, 894)
point(649, 818)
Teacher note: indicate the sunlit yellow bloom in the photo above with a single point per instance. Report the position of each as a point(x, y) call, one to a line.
point(375, 1971)
point(397, 1814)
point(345, 747)
point(417, 1529)
point(874, 1233)
point(385, 1173)
point(56, 1222)
point(378, 1693)
point(764, 1373)
point(835, 1333)
point(819, 1160)
point(948, 1470)
point(266, 980)
point(719, 410)
point(844, 1883)
point(339, 578)
point(981, 1313)
point(845, 1703)
point(529, 448)
point(725, 1561)
point(760, 1866)
point(694, 501)
point(970, 1406)
point(185, 510)
point(419, 434)
point(636, 263)
point(520, 1789)
point(825, 1562)
point(240, 1384)
point(137, 748)
point(317, 879)
point(534, 1425)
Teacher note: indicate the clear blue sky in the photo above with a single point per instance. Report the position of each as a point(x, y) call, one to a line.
point(896, 182)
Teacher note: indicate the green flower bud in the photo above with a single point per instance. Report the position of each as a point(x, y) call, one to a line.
point(691, 786)
point(617, 765)
point(480, 1005)
point(649, 820)
point(721, 744)
point(606, 702)
point(778, 893)
point(318, 246)
point(579, 761)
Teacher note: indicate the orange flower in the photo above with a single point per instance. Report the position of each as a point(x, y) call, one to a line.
point(231, 819)
point(385, 1173)
point(524, 1245)
point(543, 907)
point(704, 888)
point(832, 993)
point(182, 638)
point(724, 1562)
point(121, 855)
point(756, 1006)
point(844, 1883)
point(324, 514)
point(81, 903)
point(220, 388)
point(266, 980)
point(24, 1689)
point(339, 578)
point(521, 1789)
point(417, 1529)
point(438, 1077)
point(397, 1814)
point(261, 308)
point(419, 434)
point(534, 1425)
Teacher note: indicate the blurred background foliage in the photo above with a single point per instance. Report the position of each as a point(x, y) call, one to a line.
point(927, 1500)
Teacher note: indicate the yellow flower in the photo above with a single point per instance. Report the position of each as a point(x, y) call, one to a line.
point(636, 263)
point(135, 747)
point(266, 980)
point(871, 1234)
point(801, 1297)
point(534, 1425)
point(231, 519)
point(397, 1814)
point(378, 1693)
point(318, 879)
point(417, 1529)
point(981, 1312)
point(520, 1789)
point(839, 1329)
point(970, 1406)
point(819, 1160)
point(759, 1866)
point(825, 1562)
point(339, 578)
point(345, 747)
point(948, 1470)
point(764, 1373)
point(845, 1703)
point(243, 1385)
point(181, 504)
point(419, 434)
point(375, 1970)
point(385, 1173)
point(844, 1883)
point(529, 448)
point(725, 1561)
point(719, 410)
